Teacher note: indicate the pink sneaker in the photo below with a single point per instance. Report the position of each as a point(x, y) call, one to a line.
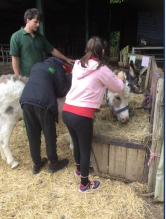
point(77, 173)
point(92, 185)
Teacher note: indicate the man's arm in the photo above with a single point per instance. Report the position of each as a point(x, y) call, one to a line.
point(15, 65)
point(59, 55)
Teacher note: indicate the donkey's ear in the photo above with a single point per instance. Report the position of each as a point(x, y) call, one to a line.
point(116, 71)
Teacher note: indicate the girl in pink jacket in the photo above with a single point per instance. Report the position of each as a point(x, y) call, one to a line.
point(90, 76)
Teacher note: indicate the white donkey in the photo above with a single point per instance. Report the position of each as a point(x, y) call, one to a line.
point(11, 88)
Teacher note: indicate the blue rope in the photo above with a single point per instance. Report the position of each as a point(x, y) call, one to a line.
point(147, 103)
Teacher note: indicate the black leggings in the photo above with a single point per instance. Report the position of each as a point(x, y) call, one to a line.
point(81, 131)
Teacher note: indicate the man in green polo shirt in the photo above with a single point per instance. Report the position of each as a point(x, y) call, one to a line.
point(27, 46)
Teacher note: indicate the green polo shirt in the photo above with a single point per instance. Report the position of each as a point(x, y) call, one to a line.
point(30, 50)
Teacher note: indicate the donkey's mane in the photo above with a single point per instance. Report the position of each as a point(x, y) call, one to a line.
point(6, 78)
point(126, 91)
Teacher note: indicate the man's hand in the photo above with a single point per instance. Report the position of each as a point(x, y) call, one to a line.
point(59, 55)
point(70, 61)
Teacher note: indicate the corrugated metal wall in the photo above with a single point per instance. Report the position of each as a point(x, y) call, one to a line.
point(151, 27)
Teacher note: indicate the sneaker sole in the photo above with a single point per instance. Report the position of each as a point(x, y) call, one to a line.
point(88, 190)
point(59, 168)
point(44, 160)
point(77, 175)
point(54, 171)
point(35, 172)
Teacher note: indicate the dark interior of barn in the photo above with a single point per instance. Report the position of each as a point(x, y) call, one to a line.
point(67, 24)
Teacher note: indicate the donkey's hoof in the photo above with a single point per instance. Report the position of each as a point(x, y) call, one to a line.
point(15, 164)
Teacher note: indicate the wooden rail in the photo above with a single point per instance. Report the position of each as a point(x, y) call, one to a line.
point(4, 53)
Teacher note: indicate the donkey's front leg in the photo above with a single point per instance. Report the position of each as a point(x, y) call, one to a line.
point(5, 133)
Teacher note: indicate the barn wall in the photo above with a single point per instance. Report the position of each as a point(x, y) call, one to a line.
point(12, 19)
point(8, 27)
point(151, 27)
point(124, 19)
point(66, 29)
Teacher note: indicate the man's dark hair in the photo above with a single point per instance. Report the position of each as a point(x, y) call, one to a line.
point(32, 13)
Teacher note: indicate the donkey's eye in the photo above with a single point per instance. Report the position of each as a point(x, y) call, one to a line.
point(118, 98)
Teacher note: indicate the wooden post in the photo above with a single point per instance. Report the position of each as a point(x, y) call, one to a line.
point(3, 57)
point(94, 163)
point(40, 7)
point(148, 74)
point(153, 80)
point(158, 134)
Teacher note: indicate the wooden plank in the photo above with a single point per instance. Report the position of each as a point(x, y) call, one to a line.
point(147, 47)
point(158, 134)
point(161, 73)
point(148, 73)
point(143, 70)
point(94, 163)
point(152, 74)
point(153, 83)
point(5, 45)
point(138, 56)
point(3, 57)
point(117, 161)
point(135, 164)
point(130, 143)
point(101, 156)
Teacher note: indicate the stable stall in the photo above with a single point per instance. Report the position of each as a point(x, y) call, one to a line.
point(130, 152)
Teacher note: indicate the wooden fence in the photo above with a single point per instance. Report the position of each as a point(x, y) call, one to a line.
point(105, 150)
point(4, 54)
point(154, 84)
point(72, 51)
point(156, 87)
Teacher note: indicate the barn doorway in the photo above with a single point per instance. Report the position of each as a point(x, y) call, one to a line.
point(114, 45)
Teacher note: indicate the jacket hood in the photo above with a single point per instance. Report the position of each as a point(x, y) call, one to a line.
point(51, 59)
point(81, 72)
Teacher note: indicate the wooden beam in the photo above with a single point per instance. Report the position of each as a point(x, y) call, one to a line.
point(148, 73)
point(102, 139)
point(158, 134)
point(39, 5)
point(14, 8)
point(3, 57)
point(86, 21)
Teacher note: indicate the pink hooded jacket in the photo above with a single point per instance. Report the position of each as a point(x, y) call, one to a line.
point(88, 85)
